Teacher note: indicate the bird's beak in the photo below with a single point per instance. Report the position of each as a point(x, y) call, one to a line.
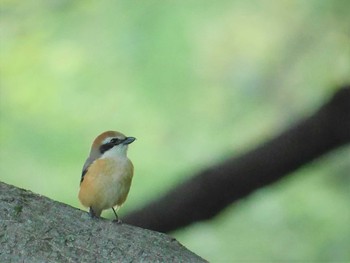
point(129, 140)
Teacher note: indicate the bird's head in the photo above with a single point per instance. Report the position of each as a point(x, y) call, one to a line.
point(111, 144)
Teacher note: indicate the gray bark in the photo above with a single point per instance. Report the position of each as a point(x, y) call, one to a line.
point(34, 228)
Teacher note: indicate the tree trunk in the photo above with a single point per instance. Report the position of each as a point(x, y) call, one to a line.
point(34, 228)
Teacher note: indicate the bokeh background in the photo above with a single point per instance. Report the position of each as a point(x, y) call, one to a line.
point(195, 81)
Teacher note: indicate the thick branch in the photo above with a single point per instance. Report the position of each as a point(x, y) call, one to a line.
point(210, 191)
point(34, 228)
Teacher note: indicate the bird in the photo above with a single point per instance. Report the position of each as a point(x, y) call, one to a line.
point(107, 174)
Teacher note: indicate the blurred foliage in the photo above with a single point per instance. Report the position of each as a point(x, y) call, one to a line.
point(195, 82)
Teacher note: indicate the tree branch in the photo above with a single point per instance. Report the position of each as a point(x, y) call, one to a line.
point(210, 191)
point(34, 228)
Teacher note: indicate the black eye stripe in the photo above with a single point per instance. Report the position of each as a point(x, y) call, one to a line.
point(105, 147)
point(113, 142)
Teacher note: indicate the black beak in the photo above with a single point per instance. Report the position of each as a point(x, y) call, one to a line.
point(128, 140)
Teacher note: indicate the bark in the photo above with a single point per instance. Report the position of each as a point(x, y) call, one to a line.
point(34, 228)
point(210, 191)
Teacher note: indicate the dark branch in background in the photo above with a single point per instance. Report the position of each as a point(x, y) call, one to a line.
point(210, 191)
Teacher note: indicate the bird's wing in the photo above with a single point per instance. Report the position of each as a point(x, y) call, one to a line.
point(87, 163)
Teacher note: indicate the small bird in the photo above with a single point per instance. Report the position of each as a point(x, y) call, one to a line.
point(107, 173)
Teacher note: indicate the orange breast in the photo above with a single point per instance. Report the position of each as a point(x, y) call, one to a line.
point(106, 184)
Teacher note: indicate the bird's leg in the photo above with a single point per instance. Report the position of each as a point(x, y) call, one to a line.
point(117, 220)
point(92, 213)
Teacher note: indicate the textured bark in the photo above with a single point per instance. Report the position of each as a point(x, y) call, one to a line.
point(210, 191)
point(34, 228)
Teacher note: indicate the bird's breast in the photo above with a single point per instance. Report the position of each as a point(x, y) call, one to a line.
point(107, 182)
point(114, 170)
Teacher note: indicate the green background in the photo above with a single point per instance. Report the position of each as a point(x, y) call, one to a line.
point(195, 82)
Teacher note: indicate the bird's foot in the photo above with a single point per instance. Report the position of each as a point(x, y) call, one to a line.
point(92, 213)
point(118, 221)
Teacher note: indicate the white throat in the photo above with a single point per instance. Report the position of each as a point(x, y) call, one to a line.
point(118, 151)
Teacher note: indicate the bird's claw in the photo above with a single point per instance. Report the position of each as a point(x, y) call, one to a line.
point(118, 221)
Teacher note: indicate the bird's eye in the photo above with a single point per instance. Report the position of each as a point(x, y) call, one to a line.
point(114, 140)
